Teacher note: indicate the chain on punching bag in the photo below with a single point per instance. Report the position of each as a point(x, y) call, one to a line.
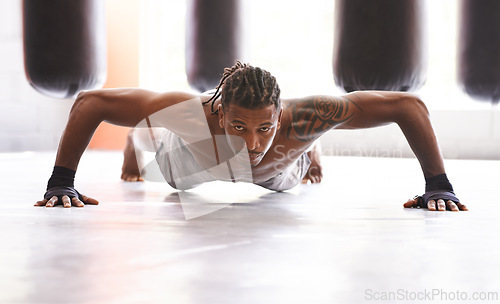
point(212, 40)
point(379, 45)
point(479, 49)
point(64, 45)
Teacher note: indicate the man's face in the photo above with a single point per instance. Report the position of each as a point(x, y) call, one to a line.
point(257, 127)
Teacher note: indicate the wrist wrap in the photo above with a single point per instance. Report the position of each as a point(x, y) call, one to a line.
point(438, 182)
point(438, 187)
point(62, 183)
point(61, 177)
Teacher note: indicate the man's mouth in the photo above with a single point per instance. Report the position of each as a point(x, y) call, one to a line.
point(254, 156)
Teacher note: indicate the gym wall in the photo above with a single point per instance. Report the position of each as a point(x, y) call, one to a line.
point(297, 47)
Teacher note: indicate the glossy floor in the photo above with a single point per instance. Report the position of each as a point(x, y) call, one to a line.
point(347, 240)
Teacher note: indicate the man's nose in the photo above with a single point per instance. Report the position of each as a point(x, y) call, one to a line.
point(252, 141)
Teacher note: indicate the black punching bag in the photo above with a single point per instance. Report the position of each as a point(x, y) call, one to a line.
point(212, 40)
point(64, 45)
point(379, 45)
point(479, 49)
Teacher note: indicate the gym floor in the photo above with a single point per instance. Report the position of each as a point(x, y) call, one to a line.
point(347, 240)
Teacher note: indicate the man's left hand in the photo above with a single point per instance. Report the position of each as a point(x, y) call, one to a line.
point(435, 205)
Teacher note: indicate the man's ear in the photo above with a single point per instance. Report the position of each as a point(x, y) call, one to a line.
point(279, 118)
point(221, 116)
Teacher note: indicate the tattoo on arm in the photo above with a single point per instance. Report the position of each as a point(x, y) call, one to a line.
point(319, 114)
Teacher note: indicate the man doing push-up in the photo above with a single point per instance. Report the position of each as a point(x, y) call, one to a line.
point(248, 129)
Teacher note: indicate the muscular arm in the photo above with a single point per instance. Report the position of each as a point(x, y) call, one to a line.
point(313, 116)
point(123, 107)
point(412, 116)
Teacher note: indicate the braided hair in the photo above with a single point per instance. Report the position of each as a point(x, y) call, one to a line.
point(246, 86)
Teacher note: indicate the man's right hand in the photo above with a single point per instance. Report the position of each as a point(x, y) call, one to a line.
point(66, 196)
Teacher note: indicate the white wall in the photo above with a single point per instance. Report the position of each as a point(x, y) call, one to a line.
point(29, 120)
point(280, 40)
point(466, 128)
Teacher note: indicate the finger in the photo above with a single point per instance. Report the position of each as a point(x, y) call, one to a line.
point(90, 201)
point(76, 202)
point(462, 207)
point(41, 203)
point(410, 203)
point(133, 178)
point(317, 177)
point(441, 205)
point(66, 202)
point(451, 205)
point(431, 205)
point(51, 202)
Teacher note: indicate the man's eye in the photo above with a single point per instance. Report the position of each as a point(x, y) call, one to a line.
point(238, 128)
point(264, 129)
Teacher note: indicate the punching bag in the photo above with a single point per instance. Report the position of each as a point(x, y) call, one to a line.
point(64, 45)
point(379, 45)
point(212, 40)
point(479, 49)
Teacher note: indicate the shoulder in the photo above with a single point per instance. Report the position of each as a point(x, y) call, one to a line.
point(309, 117)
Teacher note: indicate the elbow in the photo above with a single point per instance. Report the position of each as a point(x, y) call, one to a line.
point(414, 106)
point(81, 100)
point(419, 105)
point(410, 108)
point(86, 104)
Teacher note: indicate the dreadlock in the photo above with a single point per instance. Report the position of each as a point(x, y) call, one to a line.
point(246, 86)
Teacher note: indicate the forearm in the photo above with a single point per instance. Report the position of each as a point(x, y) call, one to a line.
point(414, 121)
point(82, 123)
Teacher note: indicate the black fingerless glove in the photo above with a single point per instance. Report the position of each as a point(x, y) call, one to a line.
point(62, 183)
point(438, 187)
